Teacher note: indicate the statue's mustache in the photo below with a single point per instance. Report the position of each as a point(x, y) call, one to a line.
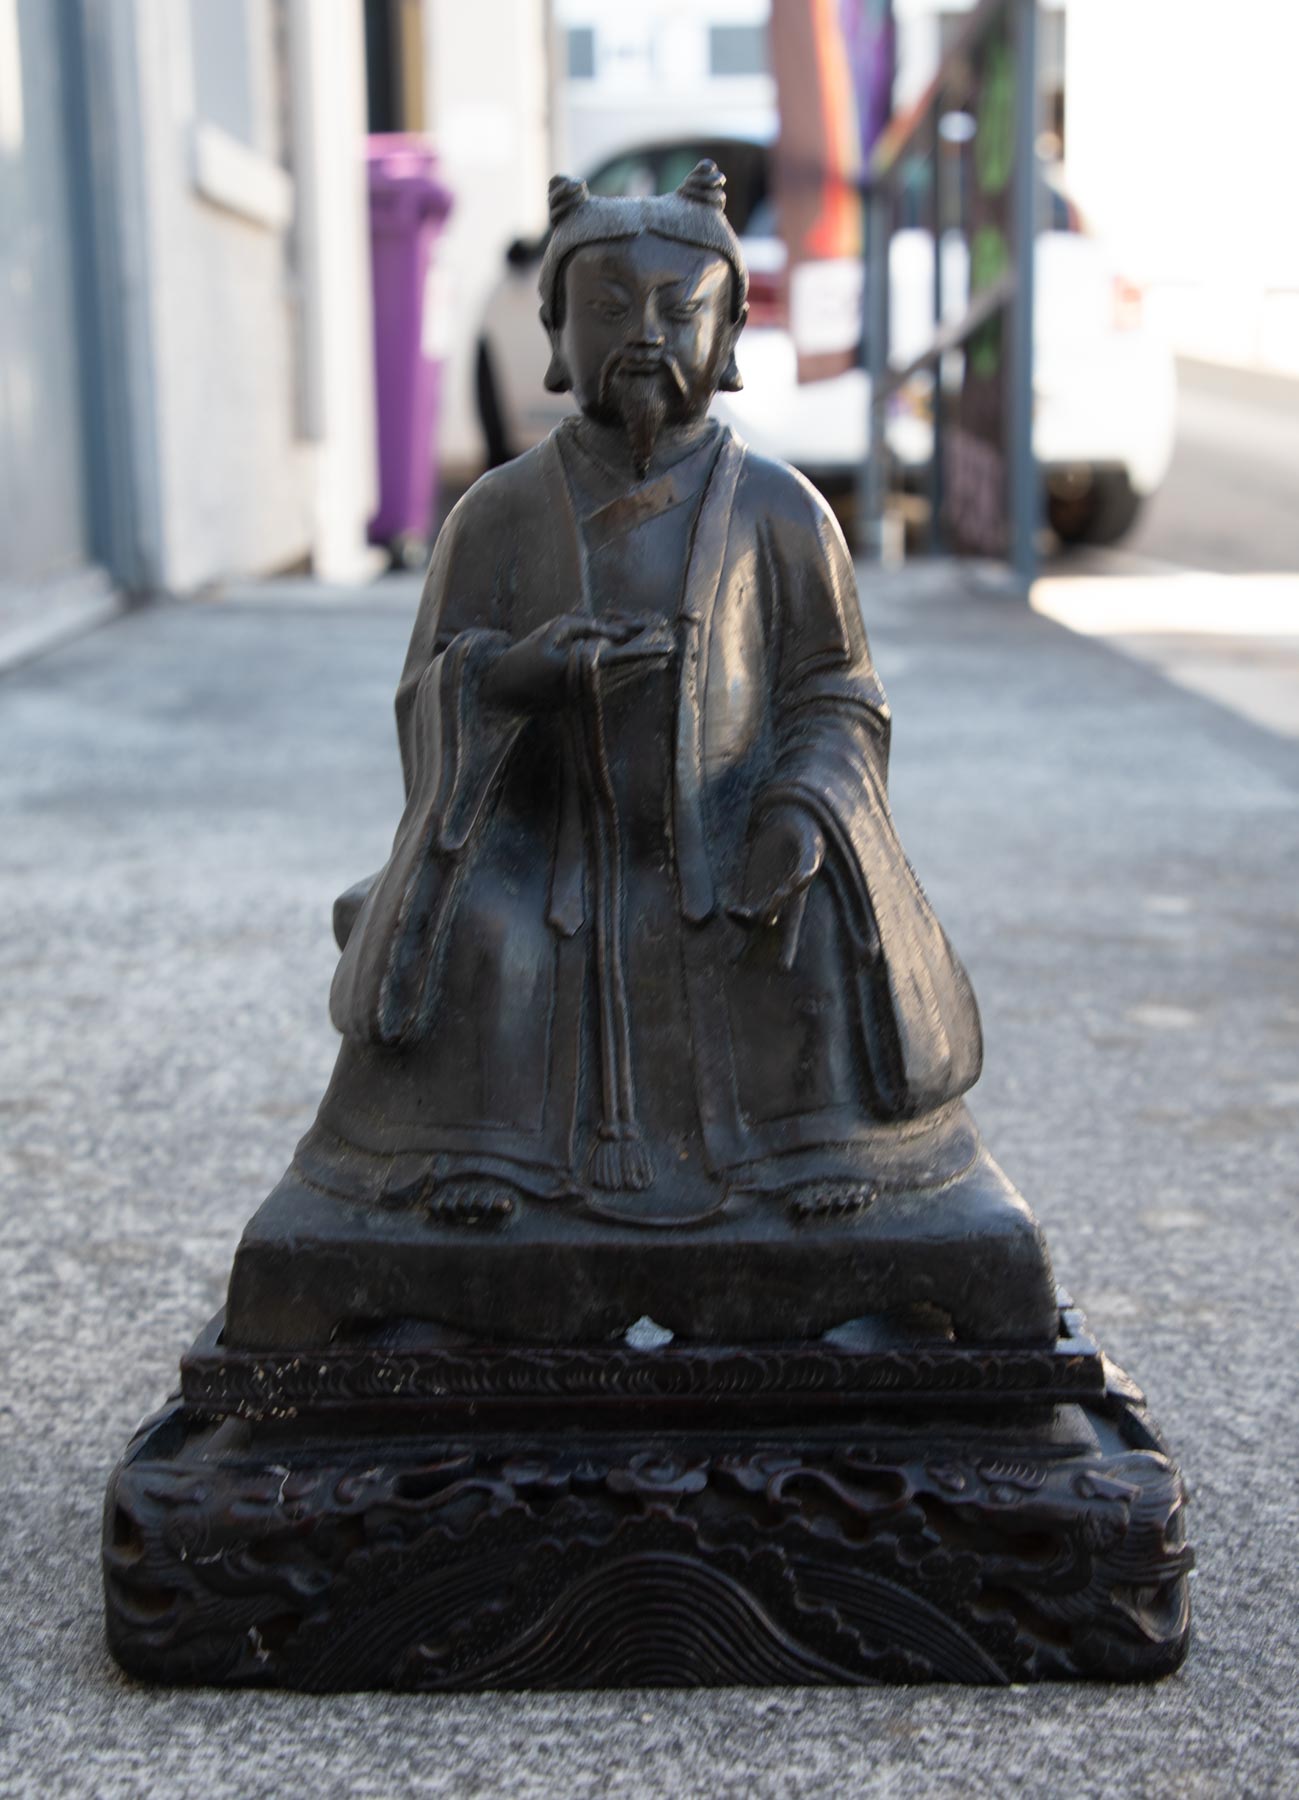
point(645, 363)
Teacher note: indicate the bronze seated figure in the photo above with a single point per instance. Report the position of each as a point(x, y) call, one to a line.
point(647, 952)
point(642, 1305)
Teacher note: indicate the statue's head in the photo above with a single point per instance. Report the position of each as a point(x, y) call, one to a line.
point(643, 301)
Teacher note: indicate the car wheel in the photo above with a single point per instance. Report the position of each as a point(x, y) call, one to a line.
point(496, 444)
point(1097, 506)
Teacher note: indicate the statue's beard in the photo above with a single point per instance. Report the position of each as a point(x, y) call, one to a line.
point(643, 401)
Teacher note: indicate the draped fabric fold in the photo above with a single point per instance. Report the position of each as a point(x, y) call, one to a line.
point(458, 747)
point(546, 977)
point(699, 598)
point(834, 765)
point(619, 1158)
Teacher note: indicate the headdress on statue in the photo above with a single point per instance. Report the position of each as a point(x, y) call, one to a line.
point(695, 214)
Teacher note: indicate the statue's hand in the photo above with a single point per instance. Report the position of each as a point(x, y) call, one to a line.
point(531, 675)
point(649, 646)
point(784, 856)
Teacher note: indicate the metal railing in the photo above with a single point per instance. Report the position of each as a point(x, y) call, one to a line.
point(952, 203)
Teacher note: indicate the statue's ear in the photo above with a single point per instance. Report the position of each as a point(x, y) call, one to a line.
point(557, 379)
point(731, 381)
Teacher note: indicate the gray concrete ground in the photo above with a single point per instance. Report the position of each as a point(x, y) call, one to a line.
point(1206, 587)
point(181, 796)
point(34, 616)
point(1230, 503)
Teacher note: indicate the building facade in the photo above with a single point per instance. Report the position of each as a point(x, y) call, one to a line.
point(187, 392)
point(627, 74)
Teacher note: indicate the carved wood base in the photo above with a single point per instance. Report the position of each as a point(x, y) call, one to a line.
point(924, 1538)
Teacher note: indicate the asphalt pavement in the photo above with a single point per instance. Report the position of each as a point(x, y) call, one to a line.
point(1206, 586)
point(1230, 503)
point(181, 796)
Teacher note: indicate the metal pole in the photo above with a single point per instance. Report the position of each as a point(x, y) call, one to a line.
point(935, 532)
point(102, 66)
point(1025, 487)
point(874, 483)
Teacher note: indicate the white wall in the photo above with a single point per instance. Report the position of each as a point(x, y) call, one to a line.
point(257, 382)
point(1180, 150)
point(331, 230)
point(488, 109)
point(42, 530)
point(918, 39)
point(652, 77)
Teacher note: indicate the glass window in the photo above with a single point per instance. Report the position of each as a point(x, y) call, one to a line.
point(737, 50)
point(581, 53)
point(658, 169)
point(627, 177)
point(232, 44)
point(676, 163)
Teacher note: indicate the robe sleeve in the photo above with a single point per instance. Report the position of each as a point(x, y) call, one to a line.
point(453, 749)
point(463, 591)
point(831, 757)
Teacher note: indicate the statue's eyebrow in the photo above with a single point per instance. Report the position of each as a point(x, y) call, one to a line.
point(689, 285)
point(678, 292)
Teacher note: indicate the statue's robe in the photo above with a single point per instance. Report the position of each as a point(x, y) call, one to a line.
point(545, 983)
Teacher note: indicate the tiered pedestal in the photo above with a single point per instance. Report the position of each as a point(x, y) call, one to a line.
point(397, 1513)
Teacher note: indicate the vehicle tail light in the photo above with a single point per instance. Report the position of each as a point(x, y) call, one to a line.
point(768, 297)
point(1127, 303)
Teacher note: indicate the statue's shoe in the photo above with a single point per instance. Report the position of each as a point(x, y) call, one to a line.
point(471, 1201)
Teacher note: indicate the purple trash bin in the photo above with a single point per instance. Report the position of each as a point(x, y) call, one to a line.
point(408, 206)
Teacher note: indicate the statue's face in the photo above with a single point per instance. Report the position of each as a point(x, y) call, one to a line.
point(647, 329)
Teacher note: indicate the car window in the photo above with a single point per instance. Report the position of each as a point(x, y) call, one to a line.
point(659, 169)
point(763, 220)
point(748, 188)
point(626, 177)
point(675, 164)
point(1062, 215)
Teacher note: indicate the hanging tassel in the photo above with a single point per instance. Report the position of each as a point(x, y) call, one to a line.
point(620, 1162)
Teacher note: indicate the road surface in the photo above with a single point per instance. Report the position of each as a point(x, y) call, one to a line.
point(1231, 500)
point(1207, 585)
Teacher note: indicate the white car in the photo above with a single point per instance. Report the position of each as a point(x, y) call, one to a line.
point(1105, 395)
